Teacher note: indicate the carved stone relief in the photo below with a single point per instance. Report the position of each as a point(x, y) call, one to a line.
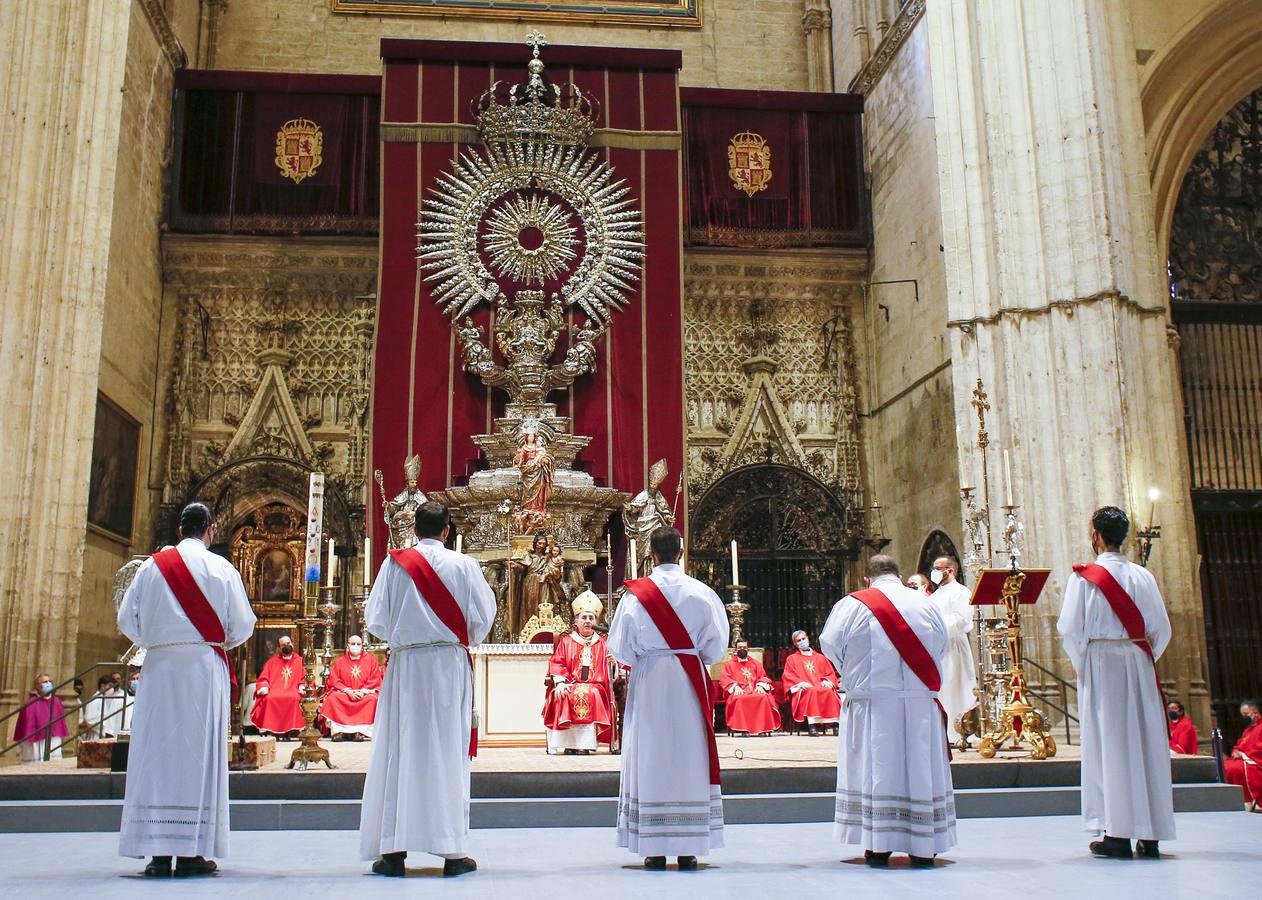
point(770, 368)
point(271, 373)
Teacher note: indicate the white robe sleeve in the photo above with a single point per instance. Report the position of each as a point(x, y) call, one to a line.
point(481, 605)
point(1156, 619)
point(377, 608)
point(239, 624)
point(832, 638)
point(129, 610)
point(712, 642)
point(1072, 622)
point(623, 643)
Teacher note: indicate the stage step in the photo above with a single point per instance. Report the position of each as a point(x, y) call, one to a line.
point(42, 816)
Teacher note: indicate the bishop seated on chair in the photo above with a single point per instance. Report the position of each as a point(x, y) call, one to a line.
point(750, 702)
point(577, 711)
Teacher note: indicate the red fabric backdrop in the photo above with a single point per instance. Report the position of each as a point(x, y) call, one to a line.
point(418, 378)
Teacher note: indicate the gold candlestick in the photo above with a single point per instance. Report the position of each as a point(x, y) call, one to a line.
point(309, 750)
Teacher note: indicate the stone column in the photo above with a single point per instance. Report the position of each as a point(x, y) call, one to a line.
point(817, 25)
point(1056, 297)
point(62, 65)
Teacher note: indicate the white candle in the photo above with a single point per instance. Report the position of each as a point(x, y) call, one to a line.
point(1007, 478)
point(736, 572)
point(367, 561)
point(459, 542)
point(332, 565)
point(635, 562)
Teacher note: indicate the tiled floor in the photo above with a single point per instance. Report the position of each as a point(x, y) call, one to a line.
point(1218, 855)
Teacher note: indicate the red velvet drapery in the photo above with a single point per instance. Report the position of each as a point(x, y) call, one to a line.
point(815, 197)
point(422, 399)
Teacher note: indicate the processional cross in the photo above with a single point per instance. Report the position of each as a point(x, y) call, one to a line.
point(981, 403)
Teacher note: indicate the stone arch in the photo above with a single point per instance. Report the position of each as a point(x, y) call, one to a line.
point(797, 544)
point(1187, 87)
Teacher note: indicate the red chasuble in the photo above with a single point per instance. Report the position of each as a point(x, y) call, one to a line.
point(748, 709)
point(278, 711)
point(1183, 736)
point(588, 700)
point(363, 674)
point(817, 701)
point(1245, 765)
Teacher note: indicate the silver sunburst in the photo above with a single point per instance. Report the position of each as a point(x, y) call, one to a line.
point(480, 179)
point(510, 254)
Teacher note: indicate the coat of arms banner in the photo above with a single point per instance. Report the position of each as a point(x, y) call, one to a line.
point(424, 402)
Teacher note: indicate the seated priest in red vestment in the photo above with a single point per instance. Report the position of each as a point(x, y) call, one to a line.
point(750, 701)
point(350, 699)
point(278, 692)
point(1182, 731)
point(811, 683)
point(577, 711)
point(1245, 765)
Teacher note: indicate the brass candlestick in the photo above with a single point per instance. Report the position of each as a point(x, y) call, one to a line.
point(736, 612)
point(1019, 721)
point(309, 750)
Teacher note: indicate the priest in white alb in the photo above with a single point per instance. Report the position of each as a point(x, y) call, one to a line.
point(1114, 626)
point(185, 608)
point(959, 672)
point(669, 628)
point(430, 604)
point(894, 790)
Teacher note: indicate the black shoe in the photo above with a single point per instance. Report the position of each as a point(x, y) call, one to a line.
point(159, 867)
point(812, 731)
point(1148, 849)
point(876, 860)
point(921, 862)
point(194, 867)
point(462, 866)
point(687, 864)
point(390, 865)
point(656, 863)
point(1112, 848)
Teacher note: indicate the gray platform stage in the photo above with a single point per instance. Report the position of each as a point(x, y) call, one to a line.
point(266, 801)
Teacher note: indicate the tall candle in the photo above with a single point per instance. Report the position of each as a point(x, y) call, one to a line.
point(635, 562)
point(332, 573)
point(1007, 478)
point(367, 561)
point(315, 519)
point(459, 542)
point(736, 572)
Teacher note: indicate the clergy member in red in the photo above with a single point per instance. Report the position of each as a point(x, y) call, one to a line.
point(1182, 731)
point(350, 699)
point(278, 692)
point(811, 682)
point(750, 704)
point(577, 711)
point(1245, 765)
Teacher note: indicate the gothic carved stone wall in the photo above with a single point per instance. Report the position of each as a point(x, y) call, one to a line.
point(771, 373)
point(271, 371)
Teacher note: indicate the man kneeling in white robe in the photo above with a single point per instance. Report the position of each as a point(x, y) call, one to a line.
point(176, 799)
point(416, 794)
point(670, 802)
point(893, 769)
point(1126, 790)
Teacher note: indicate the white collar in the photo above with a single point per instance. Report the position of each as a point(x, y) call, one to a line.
point(582, 640)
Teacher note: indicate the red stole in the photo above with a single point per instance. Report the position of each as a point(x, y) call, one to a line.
point(195, 605)
point(909, 646)
point(1128, 612)
point(444, 605)
point(677, 638)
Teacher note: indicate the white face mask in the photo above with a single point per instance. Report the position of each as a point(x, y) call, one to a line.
point(936, 576)
point(355, 650)
point(804, 644)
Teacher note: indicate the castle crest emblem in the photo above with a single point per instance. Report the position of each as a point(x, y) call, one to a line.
point(749, 162)
point(299, 149)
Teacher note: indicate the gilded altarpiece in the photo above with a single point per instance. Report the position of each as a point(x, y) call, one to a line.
point(271, 359)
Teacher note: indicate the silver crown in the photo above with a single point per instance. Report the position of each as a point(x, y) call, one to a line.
point(537, 111)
